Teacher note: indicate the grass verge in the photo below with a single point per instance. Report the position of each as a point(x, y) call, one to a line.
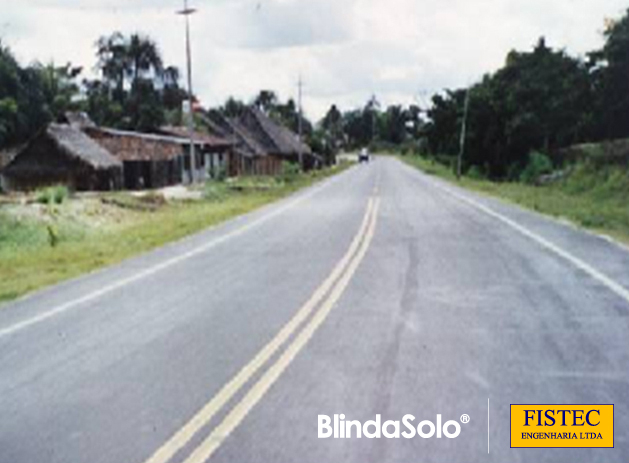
point(591, 197)
point(58, 242)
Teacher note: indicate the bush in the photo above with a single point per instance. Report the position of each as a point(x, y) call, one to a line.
point(52, 195)
point(475, 173)
point(538, 164)
point(214, 191)
point(290, 171)
point(219, 176)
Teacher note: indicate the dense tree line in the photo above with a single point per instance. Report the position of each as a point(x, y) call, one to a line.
point(371, 125)
point(537, 103)
point(134, 90)
point(32, 96)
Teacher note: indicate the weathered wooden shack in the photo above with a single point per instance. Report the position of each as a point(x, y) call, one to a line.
point(260, 145)
point(62, 154)
point(276, 140)
point(213, 153)
point(159, 160)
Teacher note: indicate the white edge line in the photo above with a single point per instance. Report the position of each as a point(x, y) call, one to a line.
point(612, 285)
point(159, 267)
point(617, 288)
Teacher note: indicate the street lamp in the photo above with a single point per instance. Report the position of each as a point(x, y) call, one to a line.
point(186, 12)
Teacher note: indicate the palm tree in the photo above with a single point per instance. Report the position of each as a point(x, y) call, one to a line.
point(170, 76)
point(143, 57)
point(112, 61)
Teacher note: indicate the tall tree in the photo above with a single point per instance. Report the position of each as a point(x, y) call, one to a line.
point(266, 100)
point(143, 58)
point(610, 68)
point(540, 100)
point(137, 90)
point(332, 124)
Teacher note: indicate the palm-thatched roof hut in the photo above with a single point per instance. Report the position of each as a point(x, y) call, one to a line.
point(275, 138)
point(260, 144)
point(63, 154)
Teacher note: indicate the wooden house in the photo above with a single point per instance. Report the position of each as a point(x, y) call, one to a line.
point(260, 145)
point(214, 153)
point(163, 159)
point(62, 154)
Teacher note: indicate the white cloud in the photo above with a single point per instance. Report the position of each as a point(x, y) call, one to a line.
point(345, 49)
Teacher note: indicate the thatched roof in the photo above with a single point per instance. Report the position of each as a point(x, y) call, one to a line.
point(7, 155)
point(75, 144)
point(255, 134)
point(276, 138)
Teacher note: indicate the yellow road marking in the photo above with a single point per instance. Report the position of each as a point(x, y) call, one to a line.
point(207, 448)
point(203, 416)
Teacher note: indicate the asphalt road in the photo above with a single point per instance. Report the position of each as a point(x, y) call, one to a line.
point(380, 291)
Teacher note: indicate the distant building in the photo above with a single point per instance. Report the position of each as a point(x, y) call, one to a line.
point(214, 154)
point(261, 144)
point(62, 154)
point(159, 160)
point(83, 156)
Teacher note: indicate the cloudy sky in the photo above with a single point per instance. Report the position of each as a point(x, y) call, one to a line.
point(346, 50)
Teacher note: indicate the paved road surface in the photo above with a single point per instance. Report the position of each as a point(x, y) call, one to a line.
point(380, 291)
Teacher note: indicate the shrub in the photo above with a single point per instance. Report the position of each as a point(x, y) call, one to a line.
point(475, 173)
point(220, 175)
point(214, 191)
point(290, 171)
point(52, 195)
point(538, 164)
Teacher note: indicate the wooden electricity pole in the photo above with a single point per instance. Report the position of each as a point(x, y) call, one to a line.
point(300, 85)
point(459, 160)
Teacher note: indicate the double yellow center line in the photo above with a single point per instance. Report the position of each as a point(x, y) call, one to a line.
point(325, 297)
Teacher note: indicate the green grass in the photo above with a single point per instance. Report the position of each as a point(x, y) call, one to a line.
point(28, 261)
point(591, 196)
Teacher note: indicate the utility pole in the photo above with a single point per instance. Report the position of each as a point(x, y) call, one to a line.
point(186, 12)
point(373, 119)
point(300, 85)
point(463, 130)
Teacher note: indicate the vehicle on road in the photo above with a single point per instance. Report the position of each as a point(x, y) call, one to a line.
point(363, 156)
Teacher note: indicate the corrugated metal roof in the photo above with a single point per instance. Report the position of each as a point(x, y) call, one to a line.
point(198, 137)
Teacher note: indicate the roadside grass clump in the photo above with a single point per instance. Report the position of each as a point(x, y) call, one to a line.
point(475, 173)
point(290, 172)
point(52, 195)
point(254, 183)
point(149, 202)
point(16, 232)
point(538, 164)
point(214, 190)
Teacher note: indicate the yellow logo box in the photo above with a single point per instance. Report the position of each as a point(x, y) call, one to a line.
point(562, 426)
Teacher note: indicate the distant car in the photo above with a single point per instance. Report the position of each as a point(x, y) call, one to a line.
point(363, 156)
